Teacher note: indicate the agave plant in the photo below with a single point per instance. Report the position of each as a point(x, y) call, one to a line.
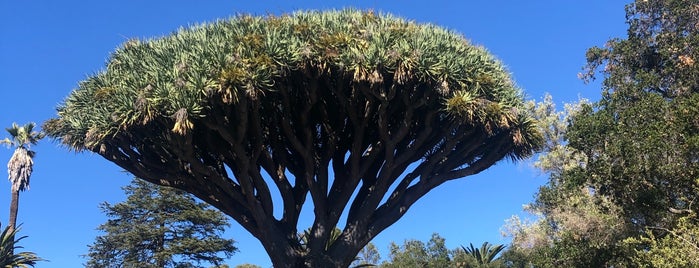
point(486, 254)
point(8, 245)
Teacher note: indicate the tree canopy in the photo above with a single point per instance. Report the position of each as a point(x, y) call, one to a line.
point(319, 104)
point(625, 179)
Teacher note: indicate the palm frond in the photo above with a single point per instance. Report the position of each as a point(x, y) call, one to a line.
point(20, 166)
point(8, 246)
point(487, 253)
point(23, 136)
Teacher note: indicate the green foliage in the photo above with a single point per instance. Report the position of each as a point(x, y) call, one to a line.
point(176, 77)
point(8, 245)
point(369, 256)
point(623, 183)
point(22, 136)
point(640, 138)
point(415, 253)
point(159, 227)
point(434, 253)
point(486, 254)
point(661, 247)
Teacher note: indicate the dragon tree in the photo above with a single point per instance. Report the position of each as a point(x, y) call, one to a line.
point(363, 113)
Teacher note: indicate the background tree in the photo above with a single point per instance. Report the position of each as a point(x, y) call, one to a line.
point(246, 265)
point(415, 253)
point(318, 104)
point(8, 245)
point(21, 164)
point(646, 124)
point(633, 154)
point(159, 227)
point(574, 224)
point(434, 253)
point(368, 256)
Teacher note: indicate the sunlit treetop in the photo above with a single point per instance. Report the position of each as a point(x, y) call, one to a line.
point(174, 78)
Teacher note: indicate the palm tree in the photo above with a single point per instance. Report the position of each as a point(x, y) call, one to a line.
point(484, 255)
point(19, 168)
point(8, 244)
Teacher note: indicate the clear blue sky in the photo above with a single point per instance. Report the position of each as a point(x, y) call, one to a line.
point(46, 47)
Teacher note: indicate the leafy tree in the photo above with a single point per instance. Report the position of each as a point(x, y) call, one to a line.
point(21, 164)
point(641, 138)
point(368, 256)
point(415, 253)
point(318, 104)
point(159, 227)
point(626, 199)
point(8, 245)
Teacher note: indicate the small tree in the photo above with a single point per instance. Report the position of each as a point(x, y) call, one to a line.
point(159, 227)
point(486, 254)
point(334, 106)
point(21, 164)
point(368, 256)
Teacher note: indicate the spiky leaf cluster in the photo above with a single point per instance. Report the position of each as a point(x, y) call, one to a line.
point(174, 79)
point(8, 244)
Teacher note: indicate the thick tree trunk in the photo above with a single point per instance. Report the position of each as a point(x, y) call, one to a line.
point(289, 257)
point(300, 259)
point(14, 207)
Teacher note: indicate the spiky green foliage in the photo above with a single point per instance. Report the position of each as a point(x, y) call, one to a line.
point(176, 77)
point(212, 108)
point(487, 253)
point(8, 244)
point(160, 227)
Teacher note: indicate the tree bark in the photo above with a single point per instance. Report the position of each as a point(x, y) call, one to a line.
point(294, 258)
point(12, 222)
